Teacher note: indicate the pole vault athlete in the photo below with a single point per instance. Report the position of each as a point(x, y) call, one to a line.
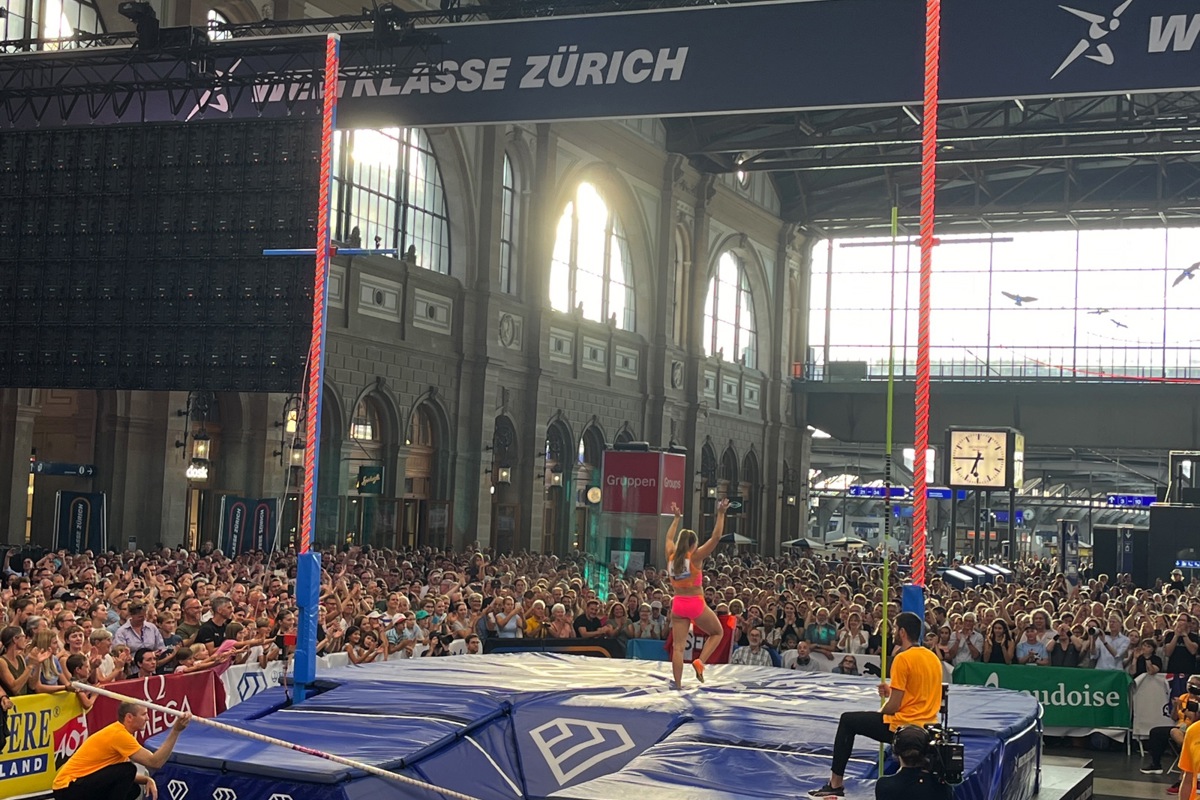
point(685, 560)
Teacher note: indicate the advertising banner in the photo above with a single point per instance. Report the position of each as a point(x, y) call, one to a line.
point(630, 482)
point(721, 59)
point(43, 731)
point(1070, 697)
point(195, 692)
point(246, 524)
point(641, 482)
point(243, 681)
point(81, 522)
point(235, 521)
point(262, 526)
point(673, 472)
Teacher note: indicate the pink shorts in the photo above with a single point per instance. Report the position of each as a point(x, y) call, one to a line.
point(688, 606)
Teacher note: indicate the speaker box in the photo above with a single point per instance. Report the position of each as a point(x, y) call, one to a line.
point(1104, 550)
point(1173, 529)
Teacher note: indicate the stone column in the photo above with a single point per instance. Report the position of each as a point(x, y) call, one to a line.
point(18, 410)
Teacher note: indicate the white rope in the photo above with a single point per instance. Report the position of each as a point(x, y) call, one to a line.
point(258, 737)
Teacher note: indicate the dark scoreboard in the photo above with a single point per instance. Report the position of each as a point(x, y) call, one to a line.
point(130, 256)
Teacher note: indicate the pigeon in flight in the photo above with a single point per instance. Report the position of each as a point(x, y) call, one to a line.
point(1187, 274)
point(1018, 299)
point(1099, 312)
point(1118, 323)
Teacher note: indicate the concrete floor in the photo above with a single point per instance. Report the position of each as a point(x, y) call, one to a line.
point(1116, 774)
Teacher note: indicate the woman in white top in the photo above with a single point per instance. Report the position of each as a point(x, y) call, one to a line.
point(508, 620)
point(853, 639)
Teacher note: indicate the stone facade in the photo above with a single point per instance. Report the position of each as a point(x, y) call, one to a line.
point(447, 356)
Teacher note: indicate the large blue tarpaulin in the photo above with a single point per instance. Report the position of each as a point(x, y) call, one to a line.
point(718, 59)
point(503, 727)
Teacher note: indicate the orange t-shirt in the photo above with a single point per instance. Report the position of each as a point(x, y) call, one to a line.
point(918, 673)
point(1189, 755)
point(107, 746)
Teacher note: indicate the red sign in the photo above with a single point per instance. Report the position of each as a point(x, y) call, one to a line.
point(674, 469)
point(642, 483)
point(195, 692)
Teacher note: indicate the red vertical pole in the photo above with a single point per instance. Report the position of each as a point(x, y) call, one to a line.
point(929, 129)
point(316, 348)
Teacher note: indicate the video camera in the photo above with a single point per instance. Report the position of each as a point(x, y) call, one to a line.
point(944, 753)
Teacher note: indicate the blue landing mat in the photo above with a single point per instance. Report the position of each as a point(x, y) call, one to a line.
point(539, 725)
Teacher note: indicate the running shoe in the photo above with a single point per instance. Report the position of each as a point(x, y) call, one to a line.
point(828, 791)
point(1173, 788)
point(1153, 769)
point(698, 665)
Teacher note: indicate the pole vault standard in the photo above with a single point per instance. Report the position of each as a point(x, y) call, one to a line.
point(260, 737)
point(308, 568)
point(929, 127)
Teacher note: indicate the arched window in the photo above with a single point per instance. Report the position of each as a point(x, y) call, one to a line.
point(508, 227)
point(729, 314)
point(591, 447)
point(216, 18)
point(365, 426)
point(388, 191)
point(591, 267)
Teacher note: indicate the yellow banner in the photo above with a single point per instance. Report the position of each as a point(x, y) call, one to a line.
point(43, 731)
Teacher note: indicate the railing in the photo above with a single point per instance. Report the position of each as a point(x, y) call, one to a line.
point(1065, 364)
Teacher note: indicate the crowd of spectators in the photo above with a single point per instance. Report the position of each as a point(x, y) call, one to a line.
point(112, 616)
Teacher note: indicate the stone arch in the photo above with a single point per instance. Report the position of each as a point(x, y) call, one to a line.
point(460, 187)
point(430, 404)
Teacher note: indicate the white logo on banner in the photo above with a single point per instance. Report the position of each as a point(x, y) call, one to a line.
point(224, 794)
point(563, 740)
point(219, 103)
point(993, 681)
point(177, 789)
point(1099, 26)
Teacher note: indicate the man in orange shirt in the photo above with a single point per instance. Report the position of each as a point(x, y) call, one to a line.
point(103, 766)
point(913, 698)
point(1189, 756)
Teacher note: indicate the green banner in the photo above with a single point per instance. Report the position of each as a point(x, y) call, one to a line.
point(1071, 697)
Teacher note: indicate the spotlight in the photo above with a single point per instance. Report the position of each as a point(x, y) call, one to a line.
point(142, 15)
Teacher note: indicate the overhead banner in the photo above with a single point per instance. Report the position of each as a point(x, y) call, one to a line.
point(246, 524)
point(1070, 697)
point(720, 59)
point(44, 730)
point(81, 523)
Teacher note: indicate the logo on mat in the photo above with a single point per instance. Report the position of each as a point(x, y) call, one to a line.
point(281, 797)
point(573, 746)
point(1099, 26)
point(224, 794)
point(177, 790)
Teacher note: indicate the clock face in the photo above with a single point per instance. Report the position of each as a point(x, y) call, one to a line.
point(978, 458)
point(594, 494)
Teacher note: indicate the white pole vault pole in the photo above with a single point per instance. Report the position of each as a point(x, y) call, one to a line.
point(259, 737)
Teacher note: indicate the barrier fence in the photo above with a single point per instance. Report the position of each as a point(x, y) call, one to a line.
point(1070, 697)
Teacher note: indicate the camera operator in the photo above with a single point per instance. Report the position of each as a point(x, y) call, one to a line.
point(913, 698)
point(913, 781)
